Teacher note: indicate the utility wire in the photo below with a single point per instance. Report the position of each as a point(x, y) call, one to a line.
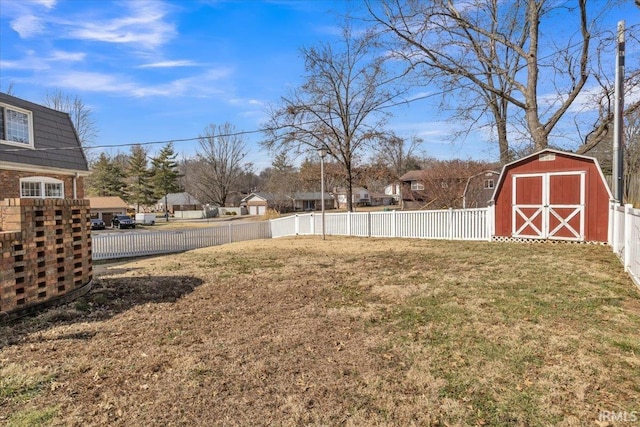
point(223, 135)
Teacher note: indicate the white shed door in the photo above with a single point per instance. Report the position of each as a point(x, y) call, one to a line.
point(262, 210)
point(253, 210)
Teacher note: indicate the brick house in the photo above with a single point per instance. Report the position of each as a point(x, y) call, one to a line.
point(45, 240)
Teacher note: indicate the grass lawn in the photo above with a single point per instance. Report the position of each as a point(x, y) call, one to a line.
point(347, 331)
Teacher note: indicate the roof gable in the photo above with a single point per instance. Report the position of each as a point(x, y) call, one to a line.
point(535, 156)
point(56, 144)
point(108, 202)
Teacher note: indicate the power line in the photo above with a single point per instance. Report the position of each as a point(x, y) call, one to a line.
point(222, 135)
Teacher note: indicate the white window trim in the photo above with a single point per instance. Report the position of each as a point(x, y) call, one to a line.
point(417, 186)
point(42, 180)
point(30, 121)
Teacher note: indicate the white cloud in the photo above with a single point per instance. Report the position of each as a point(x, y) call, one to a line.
point(27, 26)
point(59, 55)
point(425, 130)
point(169, 64)
point(49, 4)
point(142, 23)
point(30, 62)
point(94, 82)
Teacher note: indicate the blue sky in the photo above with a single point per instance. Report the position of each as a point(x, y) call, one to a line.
point(162, 70)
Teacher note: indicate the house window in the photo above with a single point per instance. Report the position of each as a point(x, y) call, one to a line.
point(41, 187)
point(16, 126)
point(53, 190)
point(488, 183)
point(30, 189)
point(417, 186)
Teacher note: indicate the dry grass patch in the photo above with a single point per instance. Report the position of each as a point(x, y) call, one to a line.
point(344, 331)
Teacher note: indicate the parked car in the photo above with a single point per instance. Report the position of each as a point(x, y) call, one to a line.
point(123, 221)
point(97, 224)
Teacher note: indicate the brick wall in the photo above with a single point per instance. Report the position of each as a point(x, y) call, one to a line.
point(10, 183)
point(45, 249)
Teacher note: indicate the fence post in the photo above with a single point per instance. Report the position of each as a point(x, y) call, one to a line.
point(348, 223)
point(393, 224)
point(450, 227)
point(313, 224)
point(368, 224)
point(491, 220)
point(296, 225)
point(610, 224)
point(230, 233)
point(616, 225)
point(628, 235)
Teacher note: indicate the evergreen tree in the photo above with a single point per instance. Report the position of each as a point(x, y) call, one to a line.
point(107, 178)
point(140, 190)
point(164, 174)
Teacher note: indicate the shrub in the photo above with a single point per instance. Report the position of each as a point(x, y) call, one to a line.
point(271, 214)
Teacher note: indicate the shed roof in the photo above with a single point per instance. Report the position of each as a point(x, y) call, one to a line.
point(55, 140)
point(531, 157)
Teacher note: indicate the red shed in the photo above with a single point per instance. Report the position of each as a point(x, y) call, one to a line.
point(555, 195)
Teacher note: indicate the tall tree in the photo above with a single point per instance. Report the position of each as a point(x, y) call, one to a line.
point(282, 181)
point(339, 105)
point(107, 178)
point(81, 115)
point(140, 191)
point(164, 174)
point(498, 57)
point(397, 154)
point(219, 167)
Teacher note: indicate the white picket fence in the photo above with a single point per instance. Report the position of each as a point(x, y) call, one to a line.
point(624, 237)
point(452, 224)
point(123, 245)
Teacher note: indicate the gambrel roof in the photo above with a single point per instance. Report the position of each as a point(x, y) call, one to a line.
point(55, 142)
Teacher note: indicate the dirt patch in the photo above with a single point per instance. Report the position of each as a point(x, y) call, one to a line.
point(345, 331)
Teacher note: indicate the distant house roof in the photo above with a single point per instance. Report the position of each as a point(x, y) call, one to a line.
point(55, 143)
point(310, 195)
point(106, 203)
point(179, 199)
point(301, 195)
point(343, 190)
point(415, 175)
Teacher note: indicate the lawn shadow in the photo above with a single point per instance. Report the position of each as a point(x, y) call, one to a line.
point(108, 297)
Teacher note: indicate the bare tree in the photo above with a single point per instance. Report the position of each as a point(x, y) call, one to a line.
point(497, 55)
point(9, 90)
point(81, 115)
point(443, 182)
point(218, 165)
point(397, 154)
point(339, 106)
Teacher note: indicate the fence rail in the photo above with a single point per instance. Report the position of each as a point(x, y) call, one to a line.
point(624, 237)
point(453, 224)
point(111, 246)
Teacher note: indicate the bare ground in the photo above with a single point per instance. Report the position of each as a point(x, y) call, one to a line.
point(341, 332)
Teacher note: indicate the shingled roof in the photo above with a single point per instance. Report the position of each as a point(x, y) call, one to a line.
point(56, 143)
